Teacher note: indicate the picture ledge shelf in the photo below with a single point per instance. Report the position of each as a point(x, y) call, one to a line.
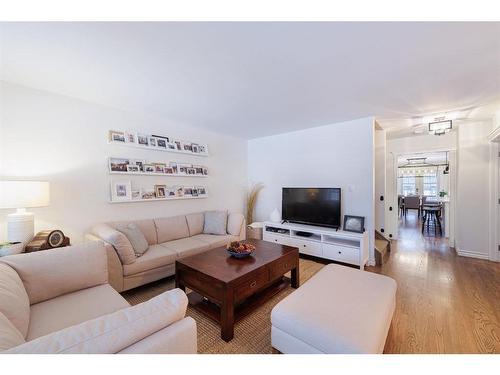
point(134, 145)
point(159, 174)
point(159, 199)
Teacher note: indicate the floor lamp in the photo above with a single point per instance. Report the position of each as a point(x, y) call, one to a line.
point(21, 195)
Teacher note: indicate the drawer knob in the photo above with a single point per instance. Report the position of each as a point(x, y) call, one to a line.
point(304, 245)
point(340, 252)
point(253, 284)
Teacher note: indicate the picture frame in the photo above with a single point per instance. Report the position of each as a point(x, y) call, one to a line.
point(152, 142)
point(149, 168)
point(178, 145)
point(118, 164)
point(201, 190)
point(121, 191)
point(198, 170)
point(160, 191)
point(130, 138)
point(133, 168)
point(179, 191)
point(142, 139)
point(183, 169)
point(116, 136)
point(136, 194)
point(354, 224)
point(159, 167)
point(171, 146)
point(173, 165)
point(168, 170)
point(140, 163)
point(195, 148)
point(161, 143)
point(148, 193)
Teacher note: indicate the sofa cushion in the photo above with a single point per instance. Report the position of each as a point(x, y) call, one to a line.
point(214, 240)
point(119, 241)
point(215, 222)
point(14, 301)
point(352, 318)
point(50, 273)
point(156, 256)
point(186, 246)
point(171, 228)
point(9, 335)
point(113, 332)
point(195, 223)
point(136, 238)
point(235, 223)
point(73, 308)
point(147, 227)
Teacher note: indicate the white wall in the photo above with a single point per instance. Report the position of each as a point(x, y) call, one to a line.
point(64, 140)
point(337, 155)
point(473, 190)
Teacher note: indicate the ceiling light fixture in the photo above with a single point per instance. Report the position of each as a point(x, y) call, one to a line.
point(440, 126)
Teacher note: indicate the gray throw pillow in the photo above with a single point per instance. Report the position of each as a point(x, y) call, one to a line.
point(136, 238)
point(215, 222)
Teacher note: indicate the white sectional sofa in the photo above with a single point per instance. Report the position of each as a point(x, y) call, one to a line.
point(59, 301)
point(169, 238)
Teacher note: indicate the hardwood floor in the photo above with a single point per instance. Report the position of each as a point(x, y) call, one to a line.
point(445, 303)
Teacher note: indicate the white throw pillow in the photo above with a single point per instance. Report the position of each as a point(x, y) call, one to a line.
point(136, 238)
point(119, 241)
point(215, 222)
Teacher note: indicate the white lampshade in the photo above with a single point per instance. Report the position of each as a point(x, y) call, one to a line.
point(24, 194)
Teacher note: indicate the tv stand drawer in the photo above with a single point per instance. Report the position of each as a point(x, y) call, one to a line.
point(308, 247)
point(340, 253)
point(276, 238)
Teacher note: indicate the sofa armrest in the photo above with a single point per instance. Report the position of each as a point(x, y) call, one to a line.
point(50, 273)
point(178, 338)
point(113, 332)
point(115, 267)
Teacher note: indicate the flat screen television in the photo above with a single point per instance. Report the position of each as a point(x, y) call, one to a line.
point(314, 206)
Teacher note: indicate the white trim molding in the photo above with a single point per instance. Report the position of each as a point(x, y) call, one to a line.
point(472, 254)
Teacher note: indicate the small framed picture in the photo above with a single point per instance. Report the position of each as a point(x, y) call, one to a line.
point(203, 149)
point(133, 168)
point(195, 192)
point(147, 193)
point(161, 143)
point(160, 191)
point(168, 170)
point(188, 147)
point(130, 138)
point(354, 223)
point(117, 136)
point(152, 141)
point(159, 167)
point(118, 164)
point(136, 194)
point(198, 170)
point(121, 191)
point(174, 167)
point(179, 191)
point(195, 148)
point(205, 171)
point(178, 145)
point(188, 190)
point(139, 162)
point(171, 146)
point(201, 190)
point(149, 168)
point(183, 168)
point(142, 139)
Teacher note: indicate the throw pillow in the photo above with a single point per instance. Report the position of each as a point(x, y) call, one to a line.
point(119, 241)
point(136, 238)
point(215, 222)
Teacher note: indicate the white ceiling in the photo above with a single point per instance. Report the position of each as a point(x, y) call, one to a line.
point(256, 79)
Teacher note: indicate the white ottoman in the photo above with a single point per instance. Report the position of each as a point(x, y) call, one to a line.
point(338, 310)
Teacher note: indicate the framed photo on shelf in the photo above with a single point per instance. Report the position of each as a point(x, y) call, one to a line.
point(188, 147)
point(149, 168)
point(198, 170)
point(174, 167)
point(133, 168)
point(159, 167)
point(188, 190)
point(171, 146)
point(142, 139)
point(147, 193)
point(129, 138)
point(168, 170)
point(183, 168)
point(139, 162)
point(179, 145)
point(118, 164)
point(191, 171)
point(203, 149)
point(160, 191)
point(205, 171)
point(152, 141)
point(179, 191)
point(201, 190)
point(121, 191)
point(354, 223)
point(136, 194)
point(115, 136)
point(161, 143)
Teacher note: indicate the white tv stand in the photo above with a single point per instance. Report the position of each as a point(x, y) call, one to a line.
point(337, 245)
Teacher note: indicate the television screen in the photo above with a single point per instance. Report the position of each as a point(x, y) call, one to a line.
point(315, 206)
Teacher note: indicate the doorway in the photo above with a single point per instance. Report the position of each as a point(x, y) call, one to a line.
point(424, 191)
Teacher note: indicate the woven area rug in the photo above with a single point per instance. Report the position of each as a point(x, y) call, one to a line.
point(252, 334)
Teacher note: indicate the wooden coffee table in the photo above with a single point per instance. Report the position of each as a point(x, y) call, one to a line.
point(226, 289)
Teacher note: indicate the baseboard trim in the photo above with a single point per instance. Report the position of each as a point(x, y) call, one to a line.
point(472, 254)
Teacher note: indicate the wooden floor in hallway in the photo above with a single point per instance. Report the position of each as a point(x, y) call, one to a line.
point(445, 303)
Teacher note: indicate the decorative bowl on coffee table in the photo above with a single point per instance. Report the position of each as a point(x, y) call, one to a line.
point(240, 250)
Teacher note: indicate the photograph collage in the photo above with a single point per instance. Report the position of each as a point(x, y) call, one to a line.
point(141, 166)
point(123, 191)
point(157, 142)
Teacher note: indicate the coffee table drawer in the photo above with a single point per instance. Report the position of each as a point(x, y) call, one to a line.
point(251, 285)
point(282, 266)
